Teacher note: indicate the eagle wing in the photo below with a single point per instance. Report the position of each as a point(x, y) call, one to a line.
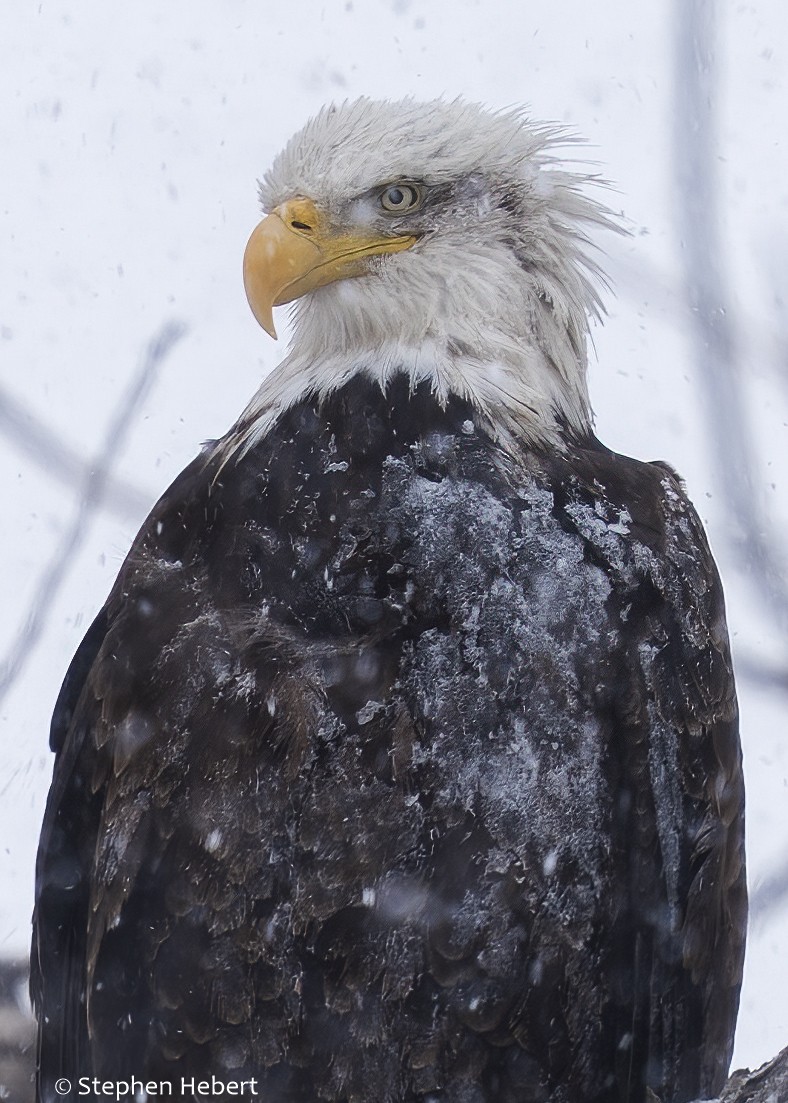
point(117, 761)
point(680, 786)
point(62, 886)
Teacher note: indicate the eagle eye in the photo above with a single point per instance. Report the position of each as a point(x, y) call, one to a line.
point(401, 198)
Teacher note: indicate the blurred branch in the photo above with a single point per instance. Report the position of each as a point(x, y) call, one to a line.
point(23, 429)
point(17, 1034)
point(771, 893)
point(760, 671)
point(641, 280)
point(731, 442)
point(95, 487)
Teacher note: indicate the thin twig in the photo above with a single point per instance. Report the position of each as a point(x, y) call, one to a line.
point(90, 500)
point(49, 451)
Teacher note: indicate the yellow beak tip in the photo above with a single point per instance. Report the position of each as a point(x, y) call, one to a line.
point(294, 250)
point(264, 315)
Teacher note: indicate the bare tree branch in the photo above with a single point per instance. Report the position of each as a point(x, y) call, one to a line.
point(764, 673)
point(23, 429)
point(695, 157)
point(770, 894)
point(90, 501)
point(644, 280)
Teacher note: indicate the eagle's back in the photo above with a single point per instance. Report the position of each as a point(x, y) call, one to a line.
point(401, 768)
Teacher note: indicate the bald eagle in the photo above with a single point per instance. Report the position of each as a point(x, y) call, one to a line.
point(402, 763)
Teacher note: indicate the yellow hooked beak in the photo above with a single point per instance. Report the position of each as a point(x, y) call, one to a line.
point(294, 250)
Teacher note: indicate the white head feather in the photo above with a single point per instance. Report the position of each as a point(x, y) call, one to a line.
point(493, 302)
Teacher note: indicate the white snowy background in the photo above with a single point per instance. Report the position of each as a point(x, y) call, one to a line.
point(131, 137)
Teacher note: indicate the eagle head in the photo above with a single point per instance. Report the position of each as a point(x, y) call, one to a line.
point(440, 239)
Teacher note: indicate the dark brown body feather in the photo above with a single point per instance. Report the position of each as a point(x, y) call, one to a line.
point(395, 769)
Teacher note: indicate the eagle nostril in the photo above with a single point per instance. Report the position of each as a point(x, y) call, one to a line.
point(300, 225)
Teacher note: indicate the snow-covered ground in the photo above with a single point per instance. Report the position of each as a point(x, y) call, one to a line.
point(132, 136)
